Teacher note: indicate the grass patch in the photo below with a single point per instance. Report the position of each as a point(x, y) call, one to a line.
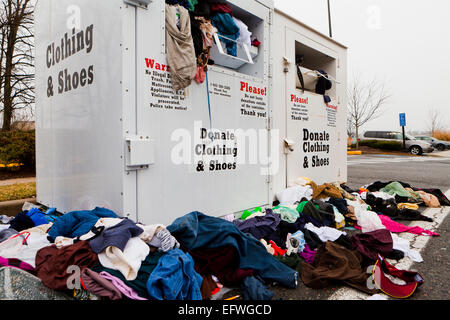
point(17, 191)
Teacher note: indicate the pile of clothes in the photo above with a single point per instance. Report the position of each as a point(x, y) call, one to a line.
point(96, 254)
point(190, 29)
point(307, 229)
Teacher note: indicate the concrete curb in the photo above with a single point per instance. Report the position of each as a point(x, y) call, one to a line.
point(12, 208)
point(16, 284)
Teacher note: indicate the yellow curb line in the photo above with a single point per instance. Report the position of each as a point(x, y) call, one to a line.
point(354, 153)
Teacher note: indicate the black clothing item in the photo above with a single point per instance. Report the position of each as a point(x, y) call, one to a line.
point(376, 186)
point(197, 35)
point(348, 189)
point(396, 255)
point(202, 9)
point(411, 215)
point(386, 207)
point(323, 84)
point(312, 239)
point(324, 214)
point(344, 241)
point(340, 204)
point(21, 222)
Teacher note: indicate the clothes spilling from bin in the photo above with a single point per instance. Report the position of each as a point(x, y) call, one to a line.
point(304, 237)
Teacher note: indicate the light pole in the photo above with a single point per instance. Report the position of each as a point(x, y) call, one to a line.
point(329, 18)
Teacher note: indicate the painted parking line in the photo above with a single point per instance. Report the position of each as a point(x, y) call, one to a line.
point(417, 242)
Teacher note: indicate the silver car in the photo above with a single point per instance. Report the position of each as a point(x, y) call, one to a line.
point(413, 145)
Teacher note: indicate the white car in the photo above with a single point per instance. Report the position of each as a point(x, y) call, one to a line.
point(413, 145)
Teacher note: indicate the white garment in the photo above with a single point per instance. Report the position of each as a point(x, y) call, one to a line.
point(229, 218)
point(149, 231)
point(325, 233)
point(15, 248)
point(41, 229)
point(383, 195)
point(404, 246)
point(245, 35)
point(127, 262)
point(302, 181)
point(61, 242)
point(367, 220)
point(294, 194)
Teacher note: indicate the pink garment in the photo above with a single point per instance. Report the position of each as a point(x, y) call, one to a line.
point(308, 255)
point(396, 227)
point(16, 263)
point(121, 286)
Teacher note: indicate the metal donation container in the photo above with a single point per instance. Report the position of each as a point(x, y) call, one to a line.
point(313, 134)
point(112, 132)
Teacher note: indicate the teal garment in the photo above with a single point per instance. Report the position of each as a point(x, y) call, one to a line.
point(140, 283)
point(395, 188)
point(227, 28)
point(287, 214)
point(77, 223)
point(192, 4)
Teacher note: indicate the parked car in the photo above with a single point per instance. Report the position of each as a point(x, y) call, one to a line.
point(414, 146)
point(438, 144)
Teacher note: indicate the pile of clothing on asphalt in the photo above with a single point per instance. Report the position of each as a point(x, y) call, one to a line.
point(190, 29)
point(303, 236)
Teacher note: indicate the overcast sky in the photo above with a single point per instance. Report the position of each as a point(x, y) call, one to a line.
point(406, 42)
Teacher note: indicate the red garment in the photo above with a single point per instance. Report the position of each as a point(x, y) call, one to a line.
point(221, 8)
point(412, 279)
point(256, 43)
point(370, 244)
point(52, 263)
point(278, 250)
point(200, 76)
point(221, 262)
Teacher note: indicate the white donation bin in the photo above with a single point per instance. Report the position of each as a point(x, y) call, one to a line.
point(112, 132)
point(312, 130)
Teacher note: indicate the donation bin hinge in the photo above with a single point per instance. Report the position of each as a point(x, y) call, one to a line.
point(140, 152)
point(270, 17)
point(139, 3)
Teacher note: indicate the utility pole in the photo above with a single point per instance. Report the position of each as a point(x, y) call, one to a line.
point(329, 19)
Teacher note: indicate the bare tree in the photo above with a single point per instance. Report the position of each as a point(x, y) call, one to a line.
point(365, 102)
point(434, 118)
point(16, 58)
